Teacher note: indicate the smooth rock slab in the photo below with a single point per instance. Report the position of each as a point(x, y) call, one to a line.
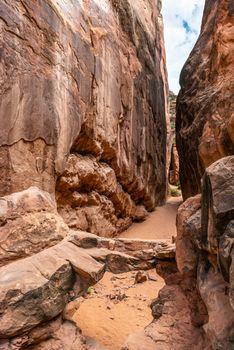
point(36, 289)
point(82, 263)
point(140, 249)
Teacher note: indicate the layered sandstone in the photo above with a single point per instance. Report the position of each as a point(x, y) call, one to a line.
point(205, 119)
point(83, 84)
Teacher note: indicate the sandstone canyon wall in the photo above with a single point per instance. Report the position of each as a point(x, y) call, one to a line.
point(205, 105)
point(204, 253)
point(205, 141)
point(83, 99)
point(82, 107)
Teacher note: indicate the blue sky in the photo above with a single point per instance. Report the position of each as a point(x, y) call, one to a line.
point(182, 21)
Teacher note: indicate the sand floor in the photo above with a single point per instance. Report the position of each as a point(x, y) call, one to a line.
point(116, 306)
point(161, 223)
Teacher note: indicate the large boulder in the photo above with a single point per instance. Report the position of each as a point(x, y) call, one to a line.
point(217, 201)
point(56, 334)
point(36, 289)
point(29, 223)
point(186, 252)
point(205, 105)
point(214, 292)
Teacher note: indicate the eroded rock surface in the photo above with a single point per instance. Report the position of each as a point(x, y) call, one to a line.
point(29, 223)
point(36, 289)
point(91, 199)
point(205, 142)
point(205, 118)
point(171, 328)
point(186, 254)
point(123, 255)
point(84, 89)
point(205, 250)
point(57, 334)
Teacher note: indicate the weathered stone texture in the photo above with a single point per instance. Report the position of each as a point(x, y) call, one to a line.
point(205, 105)
point(205, 249)
point(186, 254)
point(84, 82)
point(57, 334)
point(29, 223)
point(172, 327)
point(36, 289)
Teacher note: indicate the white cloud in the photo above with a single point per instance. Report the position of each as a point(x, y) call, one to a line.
point(182, 20)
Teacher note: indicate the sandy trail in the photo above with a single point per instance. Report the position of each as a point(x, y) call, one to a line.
point(106, 318)
point(109, 320)
point(161, 223)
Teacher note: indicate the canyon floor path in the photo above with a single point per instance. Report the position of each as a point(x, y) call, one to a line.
point(117, 306)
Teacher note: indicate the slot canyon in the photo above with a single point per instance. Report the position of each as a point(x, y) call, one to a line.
point(116, 195)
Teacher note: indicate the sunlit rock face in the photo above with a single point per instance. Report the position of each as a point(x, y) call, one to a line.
point(205, 118)
point(84, 78)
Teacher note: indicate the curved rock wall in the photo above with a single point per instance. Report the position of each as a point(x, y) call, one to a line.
point(85, 78)
point(205, 105)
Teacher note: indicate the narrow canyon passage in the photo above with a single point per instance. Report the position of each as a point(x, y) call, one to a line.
point(118, 306)
point(94, 123)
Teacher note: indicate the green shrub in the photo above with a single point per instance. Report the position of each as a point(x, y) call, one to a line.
point(89, 290)
point(178, 185)
point(174, 192)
